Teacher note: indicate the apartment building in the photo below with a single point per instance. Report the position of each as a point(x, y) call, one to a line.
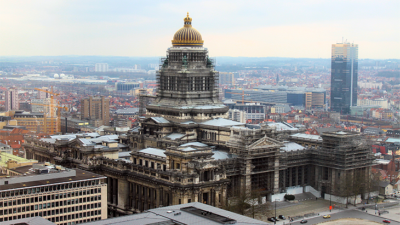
point(96, 110)
point(60, 195)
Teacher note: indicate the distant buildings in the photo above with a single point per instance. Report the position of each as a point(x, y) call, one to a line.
point(237, 115)
point(101, 67)
point(43, 95)
point(126, 86)
point(12, 101)
point(309, 98)
point(96, 110)
point(344, 77)
point(37, 122)
point(253, 111)
point(226, 78)
point(383, 103)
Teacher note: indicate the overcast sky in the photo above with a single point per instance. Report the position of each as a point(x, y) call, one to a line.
point(298, 28)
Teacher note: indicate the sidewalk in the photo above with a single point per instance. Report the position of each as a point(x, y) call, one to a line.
point(319, 214)
point(394, 213)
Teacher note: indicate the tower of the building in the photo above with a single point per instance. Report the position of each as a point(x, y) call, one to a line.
point(187, 81)
point(12, 101)
point(344, 76)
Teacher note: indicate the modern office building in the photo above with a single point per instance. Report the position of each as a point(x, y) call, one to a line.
point(37, 122)
point(96, 110)
point(101, 67)
point(253, 111)
point(126, 86)
point(179, 214)
point(58, 194)
point(12, 101)
point(344, 77)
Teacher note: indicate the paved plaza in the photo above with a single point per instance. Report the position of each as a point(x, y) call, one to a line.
point(320, 207)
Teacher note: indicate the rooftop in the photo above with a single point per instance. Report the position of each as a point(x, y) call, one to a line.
point(4, 157)
point(41, 179)
point(307, 136)
point(154, 151)
point(291, 146)
point(191, 213)
point(221, 122)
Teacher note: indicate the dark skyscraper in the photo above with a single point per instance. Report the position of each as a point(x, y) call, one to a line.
point(344, 76)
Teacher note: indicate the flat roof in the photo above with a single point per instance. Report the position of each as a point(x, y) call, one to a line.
point(154, 151)
point(30, 221)
point(80, 176)
point(190, 213)
point(5, 157)
point(307, 136)
point(221, 122)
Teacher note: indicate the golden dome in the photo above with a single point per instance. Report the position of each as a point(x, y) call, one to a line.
point(187, 35)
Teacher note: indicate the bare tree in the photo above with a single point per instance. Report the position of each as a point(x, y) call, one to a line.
point(358, 186)
point(248, 203)
point(346, 186)
point(371, 184)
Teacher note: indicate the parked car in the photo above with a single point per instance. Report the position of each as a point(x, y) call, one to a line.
point(303, 221)
point(276, 219)
point(282, 217)
point(327, 216)
point(386, 221)
point(271, 219)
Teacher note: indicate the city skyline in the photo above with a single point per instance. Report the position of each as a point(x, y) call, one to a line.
point(255, 28)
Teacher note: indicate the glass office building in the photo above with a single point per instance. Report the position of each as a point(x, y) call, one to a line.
point(344, 76)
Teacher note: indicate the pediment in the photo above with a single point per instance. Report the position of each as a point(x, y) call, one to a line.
point(265, 142)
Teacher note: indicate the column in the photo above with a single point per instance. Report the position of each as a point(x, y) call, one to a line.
point(109, 189)
point(115, 191)
point(296, 176)
point(123, 194)
point(160, 197)
point(302, 174)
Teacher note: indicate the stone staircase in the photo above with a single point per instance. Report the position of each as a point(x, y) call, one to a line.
point(304, 196)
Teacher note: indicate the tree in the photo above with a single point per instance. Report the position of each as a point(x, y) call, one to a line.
point(358, 184)
point(248, 204)
point(371, 184)
point(345, 186)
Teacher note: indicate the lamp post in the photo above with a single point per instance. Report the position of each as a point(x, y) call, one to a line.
point(275, 211)
point(330, 195)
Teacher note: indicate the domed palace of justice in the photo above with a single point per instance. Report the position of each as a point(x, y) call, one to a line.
point(186, 150)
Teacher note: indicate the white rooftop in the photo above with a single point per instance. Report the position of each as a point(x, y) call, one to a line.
point(221, 155)
point(291, 146)
point(199, 144)
point(280, 126)
point(160, 119)
point(154, 151)
point(221, 122)
point(307, 136)
point(174, 136)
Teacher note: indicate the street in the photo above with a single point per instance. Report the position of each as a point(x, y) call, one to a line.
point(346, 214)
